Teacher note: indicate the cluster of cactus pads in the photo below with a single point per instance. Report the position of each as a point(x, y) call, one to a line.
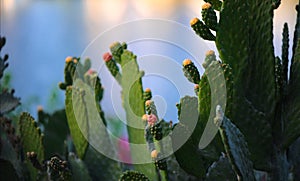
point(249, 99)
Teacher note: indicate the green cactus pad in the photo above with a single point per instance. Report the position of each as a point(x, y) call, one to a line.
point(147, 94)
point(31, 136)
point(31, 139)
point(292, 130)
point(79, 140)
point(56, 131)
point(202, 30)
point(70, 68)
point(285, 52)
point(91, 78)
point(117, 49)
point(86, 65)
point(8, 156)
point(190, 71)
point(86, 114)
point(293, 99)
point(78, 169)
point(215, 88)
point(216, 4)
point(188, 131)
point(156, 131)
point(8, 102)
point(294, 158)
point(235, 146)
point(133, 103)
point(101, 167)
point(209, 17)
point(252, 61)
point(278, 76)
point(112, 67)
point(7, 170)
point(151, 108)
point(132, 175)
point(220, 170)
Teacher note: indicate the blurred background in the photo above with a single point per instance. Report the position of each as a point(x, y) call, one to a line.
point(42, 33)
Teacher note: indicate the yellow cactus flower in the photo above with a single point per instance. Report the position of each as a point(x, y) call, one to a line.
point(147, 90)
point(194, 21)
point(186, 62)
point(69, 59)
point(206, 6)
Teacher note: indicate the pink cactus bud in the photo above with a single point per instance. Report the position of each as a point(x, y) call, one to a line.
point(124, 150)
point(107, 56)
point(152, 119)
point(91, 72)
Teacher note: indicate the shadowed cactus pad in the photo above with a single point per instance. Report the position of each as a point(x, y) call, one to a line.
point(190, 71)
point(235, 145)
point(202, 30)
point(216, 4)
point(209, 16)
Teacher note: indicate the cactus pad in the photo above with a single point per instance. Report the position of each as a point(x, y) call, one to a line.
point(235, 146)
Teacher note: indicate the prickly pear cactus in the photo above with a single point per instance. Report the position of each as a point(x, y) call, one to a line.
point(76, 128)
point(261, 87)
point(252, 60)
point(56, 131)
point(221, 169)
point(293, 114)
point(216, 4)
point(133, 102)
point(31, 139)
point(133, 176)
point(87, 123)
point(258, 130)
point(78, 168)
point(9, 160)
point(235, 146)
point(188, 154)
